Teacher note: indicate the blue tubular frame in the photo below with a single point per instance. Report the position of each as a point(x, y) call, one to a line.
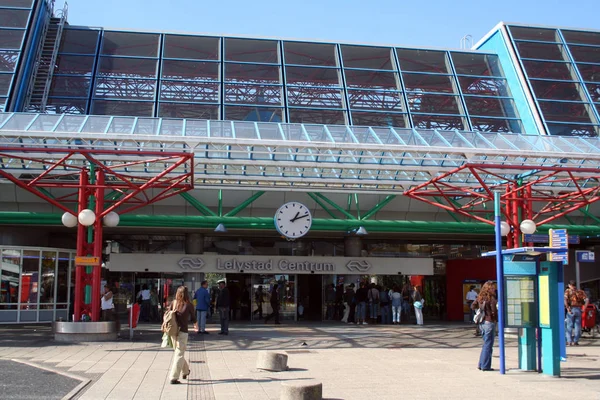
point(27, 59)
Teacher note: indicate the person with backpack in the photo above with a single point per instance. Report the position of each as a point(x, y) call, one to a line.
point(574, 300)
point(488, 317)
point(175, 325)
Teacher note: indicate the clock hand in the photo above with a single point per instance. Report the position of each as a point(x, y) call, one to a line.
point(295, 217)
point(304, 216)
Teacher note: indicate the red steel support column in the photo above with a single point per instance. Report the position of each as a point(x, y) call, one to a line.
point(516, 206)
point(508, 208)
point(97, 246)
point(78, 305)
point(528, 207)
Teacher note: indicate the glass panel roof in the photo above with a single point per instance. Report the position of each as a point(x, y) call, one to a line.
point(370, 158)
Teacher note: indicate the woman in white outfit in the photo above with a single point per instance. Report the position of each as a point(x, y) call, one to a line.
point(418, 303)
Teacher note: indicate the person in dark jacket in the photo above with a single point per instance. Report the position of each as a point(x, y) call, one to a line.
point(223, 304)
point(349, 304)
point(486, 300)
point(361, 297)
point(274, 305)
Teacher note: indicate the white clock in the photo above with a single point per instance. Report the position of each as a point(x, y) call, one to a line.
point(293, 220)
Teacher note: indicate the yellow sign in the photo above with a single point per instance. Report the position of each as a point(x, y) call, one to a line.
point(90, 261)
point(544, 301)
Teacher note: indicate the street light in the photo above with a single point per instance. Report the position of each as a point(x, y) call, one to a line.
point(504, 228)
point(69, 220)
point(87, 217)
point(528, 227)
point(111, 219)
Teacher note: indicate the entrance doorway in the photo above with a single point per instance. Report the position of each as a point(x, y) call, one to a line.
point(310, 295)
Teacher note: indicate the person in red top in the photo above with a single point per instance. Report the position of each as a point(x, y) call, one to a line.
point(486, 300)
point(574, 300)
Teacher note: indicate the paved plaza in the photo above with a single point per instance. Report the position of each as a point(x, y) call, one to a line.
point(352, 362)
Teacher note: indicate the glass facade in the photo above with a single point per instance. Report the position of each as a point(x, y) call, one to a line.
point(117, 73)
point(35, 284)
point(563, 71)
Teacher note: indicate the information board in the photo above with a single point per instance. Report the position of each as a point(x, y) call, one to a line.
point(559, 238)
point(521, 308)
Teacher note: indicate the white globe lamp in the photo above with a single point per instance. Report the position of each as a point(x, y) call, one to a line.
point(87, 217)
point(528, 227)
point(69, 220)
point(504, 228)
point(111, 219)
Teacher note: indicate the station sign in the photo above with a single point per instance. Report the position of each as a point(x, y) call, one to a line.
point(541, 238)
point(560, 239)
point(87, 261)
point(585, 256)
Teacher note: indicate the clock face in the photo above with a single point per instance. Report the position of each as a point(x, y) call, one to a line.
point(293, 220)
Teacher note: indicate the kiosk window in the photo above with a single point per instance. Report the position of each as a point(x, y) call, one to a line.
point(521, 310)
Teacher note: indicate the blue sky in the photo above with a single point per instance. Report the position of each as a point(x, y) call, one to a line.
point(434, 23)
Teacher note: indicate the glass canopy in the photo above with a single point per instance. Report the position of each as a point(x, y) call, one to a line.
point(279, 155)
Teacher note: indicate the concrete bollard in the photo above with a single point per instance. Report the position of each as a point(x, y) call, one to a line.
point(301, 390)
point(271, 361)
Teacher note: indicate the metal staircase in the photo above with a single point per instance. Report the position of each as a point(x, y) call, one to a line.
point(39, 88)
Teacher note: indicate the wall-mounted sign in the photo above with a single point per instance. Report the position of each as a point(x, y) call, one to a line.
point(270, 264)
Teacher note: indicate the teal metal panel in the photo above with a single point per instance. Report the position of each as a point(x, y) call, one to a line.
point(495, 43)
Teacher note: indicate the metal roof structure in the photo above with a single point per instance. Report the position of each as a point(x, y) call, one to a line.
point(271, 156)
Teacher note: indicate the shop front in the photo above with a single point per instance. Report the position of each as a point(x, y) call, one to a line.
point(310, 288)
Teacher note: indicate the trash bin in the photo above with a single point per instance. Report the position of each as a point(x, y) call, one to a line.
point(588, 319)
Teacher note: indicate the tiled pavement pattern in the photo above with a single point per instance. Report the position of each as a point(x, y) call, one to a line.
point(353, 362)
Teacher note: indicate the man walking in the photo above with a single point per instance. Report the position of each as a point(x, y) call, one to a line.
point(274, 305)
point(259, 299)
point(202, 298)
point(223, 304)
point(574, 300)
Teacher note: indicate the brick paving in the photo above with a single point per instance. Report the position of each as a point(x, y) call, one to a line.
point(352, 362)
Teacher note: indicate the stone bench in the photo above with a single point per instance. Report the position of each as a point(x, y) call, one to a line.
point(84, 331)
point(301, 390)
point(272, 361)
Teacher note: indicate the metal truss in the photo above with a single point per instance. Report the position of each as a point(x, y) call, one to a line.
point(277, 156)
point(528, 188)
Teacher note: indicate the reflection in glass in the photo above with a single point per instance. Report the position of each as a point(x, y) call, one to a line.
point(495, 125)
point(130, 44)
point(432, 103)
point(315, 97)
point(483, 86)
point(287, 295)
point(184, 110)
point(254, 94)
point(306, 76)
point(565, 111)
point(549, 70)
point(190, 91)
point(490, 106)
point(190, 70)
point(124, 88)
point(191, 47)
point(8, 60)
point(367, 57)
point(258, 114)
point(251, 50)
point(70, 86)
point(585, 54)
point(79, 41)
point(9, 278)
point(30, 280)
point(304, 53)
point(581, 37)
point(541, 35)
point(62, 281)
point(556, 90)
point(11, 39)
point(48, 277)
point(372, 79)
point(74, 65)
point(13, 18)
point(422, 60)
point(316, 116)
point(379, 119)
point(66, 106)
point(437, 122)
point(573, 130)
point(375, 100)
point(541, 51)
point(126, 108)
point(476, 64)
point(428, 83)
point(589, 72)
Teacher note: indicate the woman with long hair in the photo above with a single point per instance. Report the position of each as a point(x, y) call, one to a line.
point(184, 311)
point(487, 302)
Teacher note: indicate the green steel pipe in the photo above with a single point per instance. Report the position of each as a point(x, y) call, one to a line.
point(220, 203)
point(47, 193)
point(197, 204)
point(349, 203)
point(245, 204)
point(334, 205)
point(378, 206)
point(590, 215)
point(357, 206)
point(453, 215)
point(323, 206)
point(266, 223)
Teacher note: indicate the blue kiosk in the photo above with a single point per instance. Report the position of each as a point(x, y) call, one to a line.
point(530, 294)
